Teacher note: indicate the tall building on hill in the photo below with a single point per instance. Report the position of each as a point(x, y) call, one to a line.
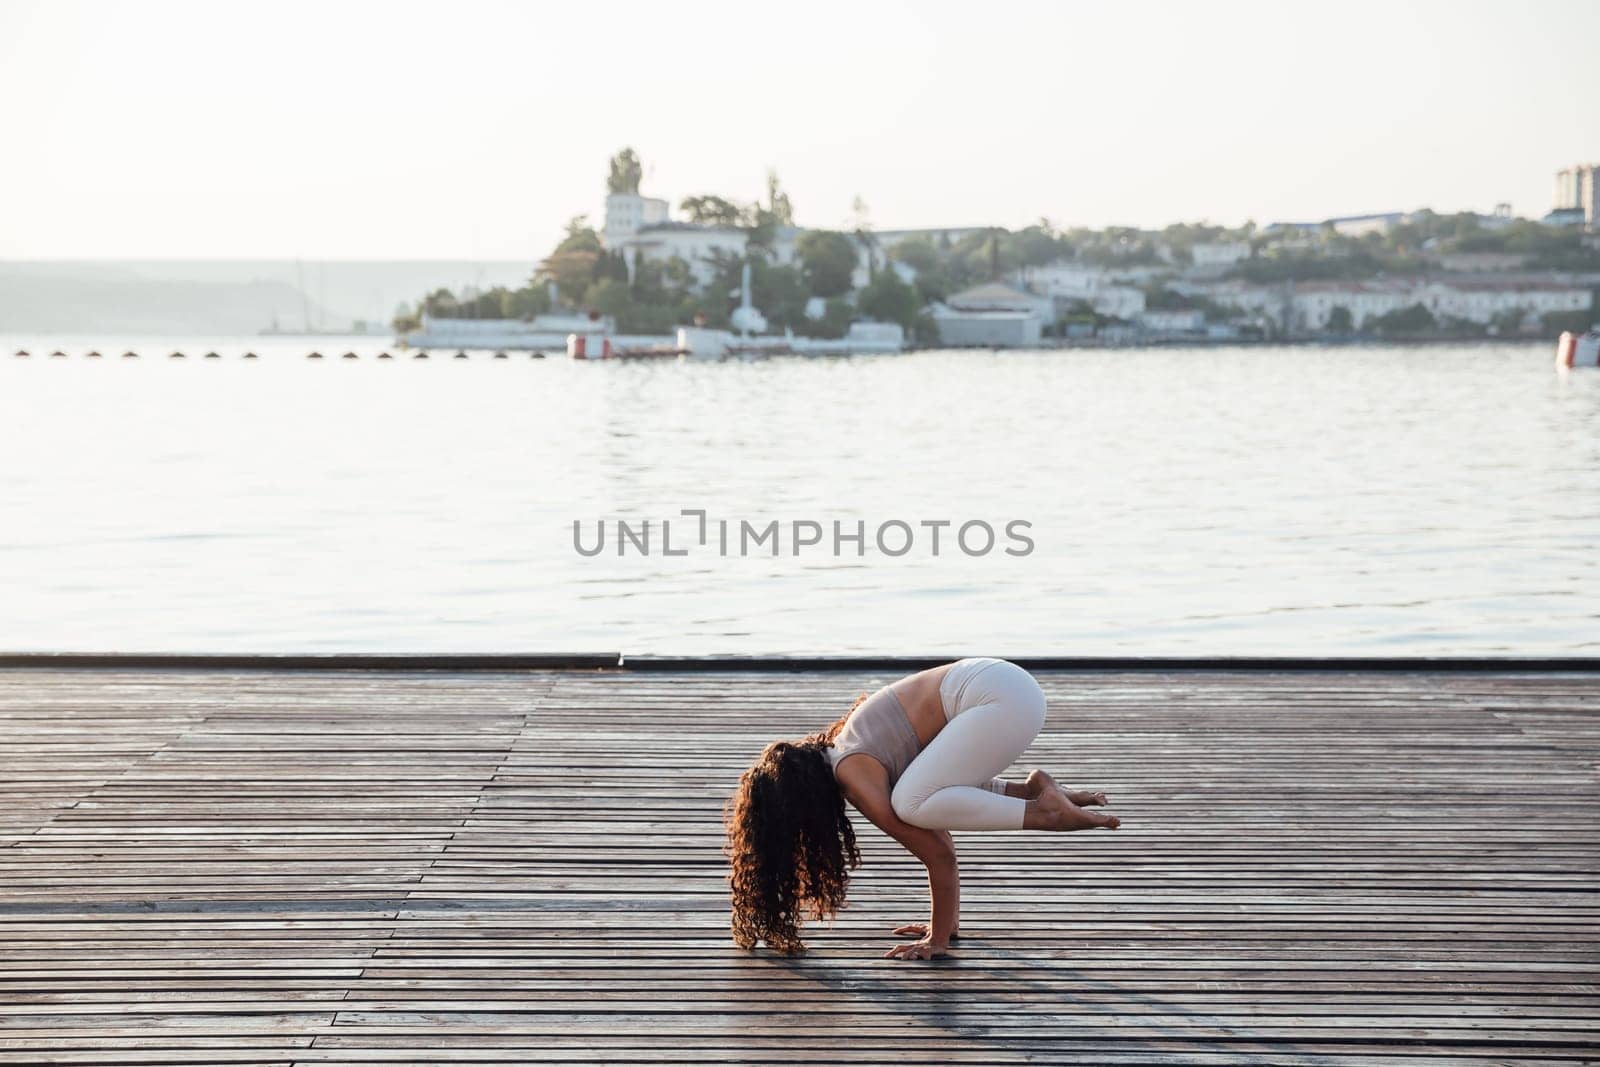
point(642, 228)
point(1578, 190)
point(628, 213)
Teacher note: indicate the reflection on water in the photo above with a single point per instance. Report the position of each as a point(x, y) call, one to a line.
point(1426, 500)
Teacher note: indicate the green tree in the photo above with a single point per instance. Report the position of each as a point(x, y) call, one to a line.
point(573, 273)
point(1160, 298)
point(711, 211)
point(573, 265)
point(485, 305)
point(861, 229)
point(1415, 319)
point(918, 253)
point(405, 319)
point(526, 303)
point(668, 282)
point(890, 299)
point(611, 265)
point(982, 256)
point(776, 290)
point(609, 297)
point(1554, 322)
point(836, 316)
point(439, 304)
point(761, 229)
point(780, 292)
point(1287, 264)
point(626, 172)
point(828, 261)
point(1036, 245)
point(933, 265)
point(778, 203)
point(1507, 322)
point(579, 236)
point(1340, 320)
point(720, 295)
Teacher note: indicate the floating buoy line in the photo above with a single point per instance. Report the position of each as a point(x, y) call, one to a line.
point(422, 353)
point(180, 354)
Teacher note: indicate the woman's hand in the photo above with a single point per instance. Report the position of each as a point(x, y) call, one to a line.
point(924, 949)
point(921, 930)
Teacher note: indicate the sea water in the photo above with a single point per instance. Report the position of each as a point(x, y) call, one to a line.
point(1433, 500)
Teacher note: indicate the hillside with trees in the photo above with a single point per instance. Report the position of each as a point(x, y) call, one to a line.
point(579, 275)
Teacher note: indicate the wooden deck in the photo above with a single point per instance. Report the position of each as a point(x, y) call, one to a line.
point(411, 867)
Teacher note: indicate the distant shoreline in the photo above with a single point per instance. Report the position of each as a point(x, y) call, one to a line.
point(1068, 344)
point(43, 341)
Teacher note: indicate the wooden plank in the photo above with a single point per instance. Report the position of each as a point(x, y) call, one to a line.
point(1390, 867)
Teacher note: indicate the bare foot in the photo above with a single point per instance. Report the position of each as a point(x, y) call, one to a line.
point(1053, 811)
point(1038, 782)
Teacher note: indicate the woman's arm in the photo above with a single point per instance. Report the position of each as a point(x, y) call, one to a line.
point(920, 929)
point(937, 851)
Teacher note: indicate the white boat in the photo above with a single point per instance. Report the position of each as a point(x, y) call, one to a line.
point(543, 333)
point(862, 338)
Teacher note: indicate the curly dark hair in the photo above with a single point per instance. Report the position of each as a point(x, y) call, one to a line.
point(790, 843)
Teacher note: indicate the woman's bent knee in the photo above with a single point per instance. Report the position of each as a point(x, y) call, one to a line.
point(1027, 698)
point(907, 806)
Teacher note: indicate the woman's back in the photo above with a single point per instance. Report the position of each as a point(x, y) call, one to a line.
point(880, 728)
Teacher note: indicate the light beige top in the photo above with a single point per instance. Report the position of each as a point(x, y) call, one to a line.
point(879, 727)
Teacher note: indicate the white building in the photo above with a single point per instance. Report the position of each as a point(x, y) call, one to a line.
point(993, 315)
point(1067, 283)
point(1118, 302)
point(997, 296)
point(1361, 225)
point(1270, 302)
point(1479, 262)
point(945, 237)
point(870, 263)
point(1074, 280)
point(698, 246)
point(1344, 225)
point(628, 213)
point(1578, 189)
point(1312, 303)
point(642, 228)
point(1308, 306)
point(986, 329)
point(1216, 257)
point(1174, 321)
point(1482, 302)
point(785, 250)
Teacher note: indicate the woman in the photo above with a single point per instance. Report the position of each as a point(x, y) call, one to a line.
point(918, 758)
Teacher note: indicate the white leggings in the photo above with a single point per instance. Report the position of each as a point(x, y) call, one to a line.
point(993, 710)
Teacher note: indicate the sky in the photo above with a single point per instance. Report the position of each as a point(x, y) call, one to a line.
point(475, 129)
